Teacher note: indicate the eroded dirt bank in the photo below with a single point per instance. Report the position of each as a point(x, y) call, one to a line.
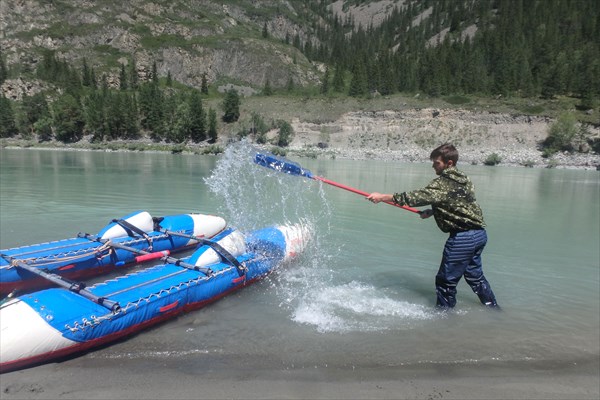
point(409, 135)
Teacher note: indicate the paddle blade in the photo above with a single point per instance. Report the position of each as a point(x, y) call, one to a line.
point(282, 165)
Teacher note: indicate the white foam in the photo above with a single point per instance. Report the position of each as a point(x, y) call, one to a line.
point(356, 306)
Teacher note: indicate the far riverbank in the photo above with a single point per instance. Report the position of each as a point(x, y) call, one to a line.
point(403, 133)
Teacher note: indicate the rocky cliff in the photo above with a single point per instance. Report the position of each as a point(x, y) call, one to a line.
point(185, 38)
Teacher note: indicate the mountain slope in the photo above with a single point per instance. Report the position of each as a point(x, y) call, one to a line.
point(185, 38)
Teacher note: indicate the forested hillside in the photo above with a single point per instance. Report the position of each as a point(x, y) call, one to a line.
point(147, 69)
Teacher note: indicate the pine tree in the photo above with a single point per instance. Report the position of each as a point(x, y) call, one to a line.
point(325, 82)
point(290, 84)
point(182, 123)
point(169, 81)
point(93, 115)
point(43, 129)
point(67, 119)
point(231, 106)
point(3, 69)
point(197, 117)
point(284, 136)
point(93, 79)
point(86, 74)
point(265, 32)
point(358, 84)
point(151, 106)
point(204, 85)
point(34, 108)
point(212, 125)
point(134, 80)
point(338, 78)
point(123, 78)
point(267, 90)
point(130, 111)
point(115, 116)
point(154, 76)
point(8, 127)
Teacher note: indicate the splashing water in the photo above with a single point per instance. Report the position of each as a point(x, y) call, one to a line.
point(254, 197)
point(357, 307)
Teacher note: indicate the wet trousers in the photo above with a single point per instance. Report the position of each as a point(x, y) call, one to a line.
point(462, 257)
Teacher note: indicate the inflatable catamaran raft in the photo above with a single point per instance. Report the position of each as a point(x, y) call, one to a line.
point(136, 237)
point(52, 323)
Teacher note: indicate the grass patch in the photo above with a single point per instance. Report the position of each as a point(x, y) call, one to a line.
point(457, 100)
point(532, 109)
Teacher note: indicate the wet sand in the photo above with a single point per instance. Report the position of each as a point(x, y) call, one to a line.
point(92, 378)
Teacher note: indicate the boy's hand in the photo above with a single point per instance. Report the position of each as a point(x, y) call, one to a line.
point(378, 197)
point(426, 213)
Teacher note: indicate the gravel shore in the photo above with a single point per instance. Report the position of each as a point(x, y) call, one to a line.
point(410, 135)
point(509, 157)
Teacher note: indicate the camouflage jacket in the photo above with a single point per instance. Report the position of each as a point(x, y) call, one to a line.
point(452, 198)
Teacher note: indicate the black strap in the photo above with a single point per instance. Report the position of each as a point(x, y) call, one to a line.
point(225, 255)
point(130, 229)
point(220, 250)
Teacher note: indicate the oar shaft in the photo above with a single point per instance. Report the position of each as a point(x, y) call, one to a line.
point(362, 193)
point(292, 168)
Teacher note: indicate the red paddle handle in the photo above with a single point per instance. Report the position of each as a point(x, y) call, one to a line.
point(353, 190)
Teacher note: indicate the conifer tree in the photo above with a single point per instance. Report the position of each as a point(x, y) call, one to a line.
point(3, 69)
point(43, 129)
point(197, 117)
point(267, 90)
point(212, 125)
point(130, 111)
point(8, 127)
point(204, 85)
point(67, 119)
point(358, 84)
point(284, 136)
point(93, 79)
point(151, 106)
point(93, 115)
point(231, 106)
point(182, 123)
point(338, 78)
point(325, 82)
point(123, 78)
point(34, 108)
point(290, 84)
point(86, 74)
point(134, 80)
point(154, 76)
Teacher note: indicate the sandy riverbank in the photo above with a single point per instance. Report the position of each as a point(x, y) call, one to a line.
point(247, 379)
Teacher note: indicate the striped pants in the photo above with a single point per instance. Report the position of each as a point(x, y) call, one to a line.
point(462, 257)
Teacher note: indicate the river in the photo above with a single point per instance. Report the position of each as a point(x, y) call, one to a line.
point(363, 294)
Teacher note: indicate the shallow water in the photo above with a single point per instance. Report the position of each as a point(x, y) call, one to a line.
point(362, 295)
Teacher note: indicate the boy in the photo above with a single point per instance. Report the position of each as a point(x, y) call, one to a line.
point(453, 205)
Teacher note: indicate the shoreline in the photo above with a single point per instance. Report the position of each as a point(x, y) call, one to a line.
point(387, 130)
point(511, 157)
point(86, 377)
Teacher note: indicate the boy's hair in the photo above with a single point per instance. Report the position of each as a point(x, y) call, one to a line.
point(446, 151)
